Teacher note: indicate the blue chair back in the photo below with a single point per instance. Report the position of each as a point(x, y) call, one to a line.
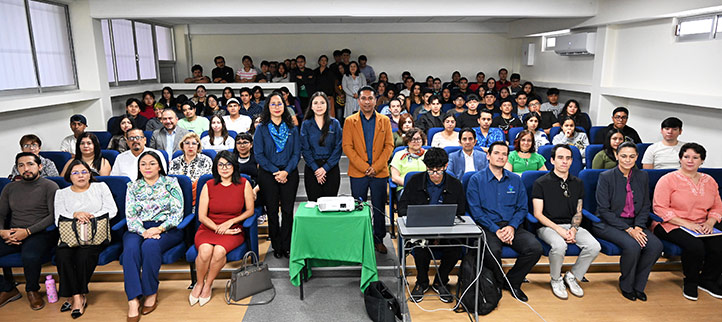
point(3, 183)
point(208, 152)
point(446, 107)
point(465, 178)
point(590, 177)
point(577, 165)
point(59, 158)
point(556, 129)
point(592, 151)
point(408, 176)
point(528, 178)
point(593, 134)
point(451, 149)
point(641, 149)
point(716, 174)
point(199, 187)
point(167, 161)
point(414, 107)
point(232, 134)
point(432, 131)
point(148, 135)
point(60, 181)
point(110, 155)
point(187, 188)
point(204, 134)
point(110, 123)
point(654, 176)
point(118, 187)
point(513, 132)
point(104, 137)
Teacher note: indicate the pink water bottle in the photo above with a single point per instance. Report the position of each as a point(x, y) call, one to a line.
point(50, 289)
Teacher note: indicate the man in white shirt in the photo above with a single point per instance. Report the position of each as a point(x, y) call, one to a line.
point(665, 154)
point(234, 120)
point(191, 121)
point(126, 164)
point(78, 123)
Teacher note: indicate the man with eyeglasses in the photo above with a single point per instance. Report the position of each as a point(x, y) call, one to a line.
point(557, 199)
point(31, 203)
point(620, 116)
point(547, 120)
point(126, 164)
point(434, 186)
point(169, 137)
point(78, 123)
point(498, 203)
point(31, 143)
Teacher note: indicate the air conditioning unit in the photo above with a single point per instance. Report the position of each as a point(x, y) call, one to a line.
point(576, 44)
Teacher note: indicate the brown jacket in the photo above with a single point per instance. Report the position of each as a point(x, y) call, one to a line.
point(354, 146)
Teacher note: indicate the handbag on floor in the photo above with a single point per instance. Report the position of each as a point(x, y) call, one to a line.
point(249, 280)
point(74, 233)
point(381, 305)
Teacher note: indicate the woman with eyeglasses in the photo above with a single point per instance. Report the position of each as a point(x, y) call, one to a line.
point(154, 207)
point(221, 218)
point(623, 207)
point(191, 163)
point(277, 150)
point(321, 149)
point(87, 148)
point(82, 201)
point(524, 157)
point(247, 164)
point(409, 159)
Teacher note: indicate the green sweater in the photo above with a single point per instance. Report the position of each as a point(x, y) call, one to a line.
point(603, 161)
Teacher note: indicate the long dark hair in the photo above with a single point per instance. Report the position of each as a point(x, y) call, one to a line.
point(326, 117)
point(97, 159)
point(348, 70)
point(257, 89)
point(228, 156)
point(266, 113)
point(72, 164)
point(120, 120)
point(608, 150)
point(156, 156)
point(171, 102)
point(565, 110)
point(212, 133)
point(528, 116)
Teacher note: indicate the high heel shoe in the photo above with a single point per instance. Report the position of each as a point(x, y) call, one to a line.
point(192, 299)
point(77, 312)
point(203, 300)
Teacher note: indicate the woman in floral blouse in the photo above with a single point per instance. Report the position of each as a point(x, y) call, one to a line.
point(191, 163)
point(154, 207)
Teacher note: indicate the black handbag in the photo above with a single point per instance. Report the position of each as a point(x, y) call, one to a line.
point(249, 280)
point(381, 305)
point(74, 234)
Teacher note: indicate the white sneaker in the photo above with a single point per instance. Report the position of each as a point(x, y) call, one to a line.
point(573, 284)
point(559, 289)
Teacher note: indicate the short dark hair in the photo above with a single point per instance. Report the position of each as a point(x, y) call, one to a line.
point(228, 156)
point(499, 143)
point(463, 79)
point(503, 69)
point(672, 122)
point(410, 135)
point(628, 144)
point(72, 164)
point(434, 97)
point(531, 97)
point(345, 51)
point(133, 100)
point(265, 63)
point(553, 91)
point(247, 57)
point(27, 154)
point(486, 110)
point(517, 141)
point(560, 146)
point(301, 57)
point(245, 89)
point(697, 148)
point(336, 53)
point(465, 130)
point(218, 57)
point(197, 67)
point(156, 156)
point(515, 76)
point(366, 88)
point(522, 93)
point(435, 158)
point(32, 138)
point(620, 109)
point(363, 57)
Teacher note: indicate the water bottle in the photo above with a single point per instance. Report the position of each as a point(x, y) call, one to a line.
point(50, 289)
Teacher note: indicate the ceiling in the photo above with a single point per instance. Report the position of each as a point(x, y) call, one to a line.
point(302, 20)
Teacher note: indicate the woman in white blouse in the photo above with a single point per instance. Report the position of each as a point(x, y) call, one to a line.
point(82, 201)
point(217, 138)
point(447, 137)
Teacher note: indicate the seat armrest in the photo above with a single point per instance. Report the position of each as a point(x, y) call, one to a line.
point(531, 218)
point(186, 220)
point(655, 217)
point(590, 216)
point(122, 223)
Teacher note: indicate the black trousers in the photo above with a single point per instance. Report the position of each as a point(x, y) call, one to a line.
point(698, 254)
point(284, 195)
point(314, 190)
point(636, 262)
point(75, 268)
point(449, 257)
point(524, 243)
point(32, 251)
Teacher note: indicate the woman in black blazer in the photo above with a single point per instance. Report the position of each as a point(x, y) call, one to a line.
point(623, 206)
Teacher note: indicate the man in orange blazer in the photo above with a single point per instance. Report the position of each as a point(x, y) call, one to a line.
point(368, 144)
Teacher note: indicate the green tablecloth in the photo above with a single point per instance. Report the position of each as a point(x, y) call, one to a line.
point(332, 239)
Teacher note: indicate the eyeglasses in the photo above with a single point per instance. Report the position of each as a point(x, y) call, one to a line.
point(225, 165)
point(565, 188)
point(417, 140)
point(135, 138)
point(191, 143)
point(243, 143)
point(620, 117)
point(75, 173)
point(437, 171)
point(31, 146)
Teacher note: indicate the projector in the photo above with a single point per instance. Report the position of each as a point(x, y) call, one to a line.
point(336, 204)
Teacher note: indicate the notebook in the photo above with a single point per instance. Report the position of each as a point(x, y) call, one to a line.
point(439, 215)
point(715, 232)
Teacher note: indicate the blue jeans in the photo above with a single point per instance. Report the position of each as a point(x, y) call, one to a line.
point(359, 190)
point(146, 254)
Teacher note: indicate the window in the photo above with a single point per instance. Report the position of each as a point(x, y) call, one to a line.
point(718, 32)
point(35, 47)
point(549, 43)
point(133, 49)
point(696, 28)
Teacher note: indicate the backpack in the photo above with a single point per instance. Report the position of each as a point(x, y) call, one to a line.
point(489, 289)
point(381, 304)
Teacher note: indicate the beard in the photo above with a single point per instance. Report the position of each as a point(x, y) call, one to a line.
point(30, 176)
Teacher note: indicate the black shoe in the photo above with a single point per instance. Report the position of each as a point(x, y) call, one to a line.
point(630, 295)
point(443, 291)
point(516, 291)
point(417, 294)
point(77, 312)
point(689, 291)
point(277, 254)
point(287, 254)
point(640, 296)
point(711, 289)
point(66, 307)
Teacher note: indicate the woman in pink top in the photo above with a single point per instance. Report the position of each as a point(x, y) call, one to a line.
point(690, 199)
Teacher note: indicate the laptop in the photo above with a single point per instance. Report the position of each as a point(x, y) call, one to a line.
point(438, 215)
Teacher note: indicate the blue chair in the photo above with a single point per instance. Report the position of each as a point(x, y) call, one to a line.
point(669, 248)
point(446, 107)
point(641, 148)
point(414, 107)
point(230, 133)
point(59, 158)
point(118, 188)
point(165, 156)
point(250, 232)
point(556, 129)
point(716, 174)
point(593, 134)
point(210, 153)
point(110, 155)
point(60, 181)
point(513, 132)
point(577, 165)
point(148, 135)
point(451, 149)
point(592, 151)
point(432, 131)
point(590, 177)
point(104, 137)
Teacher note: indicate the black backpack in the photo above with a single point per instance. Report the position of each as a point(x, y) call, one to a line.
point(489, 289)
point(381, 305)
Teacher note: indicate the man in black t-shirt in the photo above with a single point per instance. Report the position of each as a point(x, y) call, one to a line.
point(222, 73)
point(471, 116)
point(506, 120)
point(557, 202)
point(620, 116)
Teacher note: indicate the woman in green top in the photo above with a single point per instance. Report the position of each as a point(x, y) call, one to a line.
point(409, 159)
point(605, 159)
point(524, 156)
point(406, 123)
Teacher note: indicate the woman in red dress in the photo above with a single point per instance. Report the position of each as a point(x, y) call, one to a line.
point(225, 202)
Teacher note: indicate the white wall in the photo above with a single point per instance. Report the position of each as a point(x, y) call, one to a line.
point(422, 54)
point(551, 68)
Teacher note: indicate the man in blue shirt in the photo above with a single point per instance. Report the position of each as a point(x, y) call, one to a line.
point(498, 203)
point(485, 134)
